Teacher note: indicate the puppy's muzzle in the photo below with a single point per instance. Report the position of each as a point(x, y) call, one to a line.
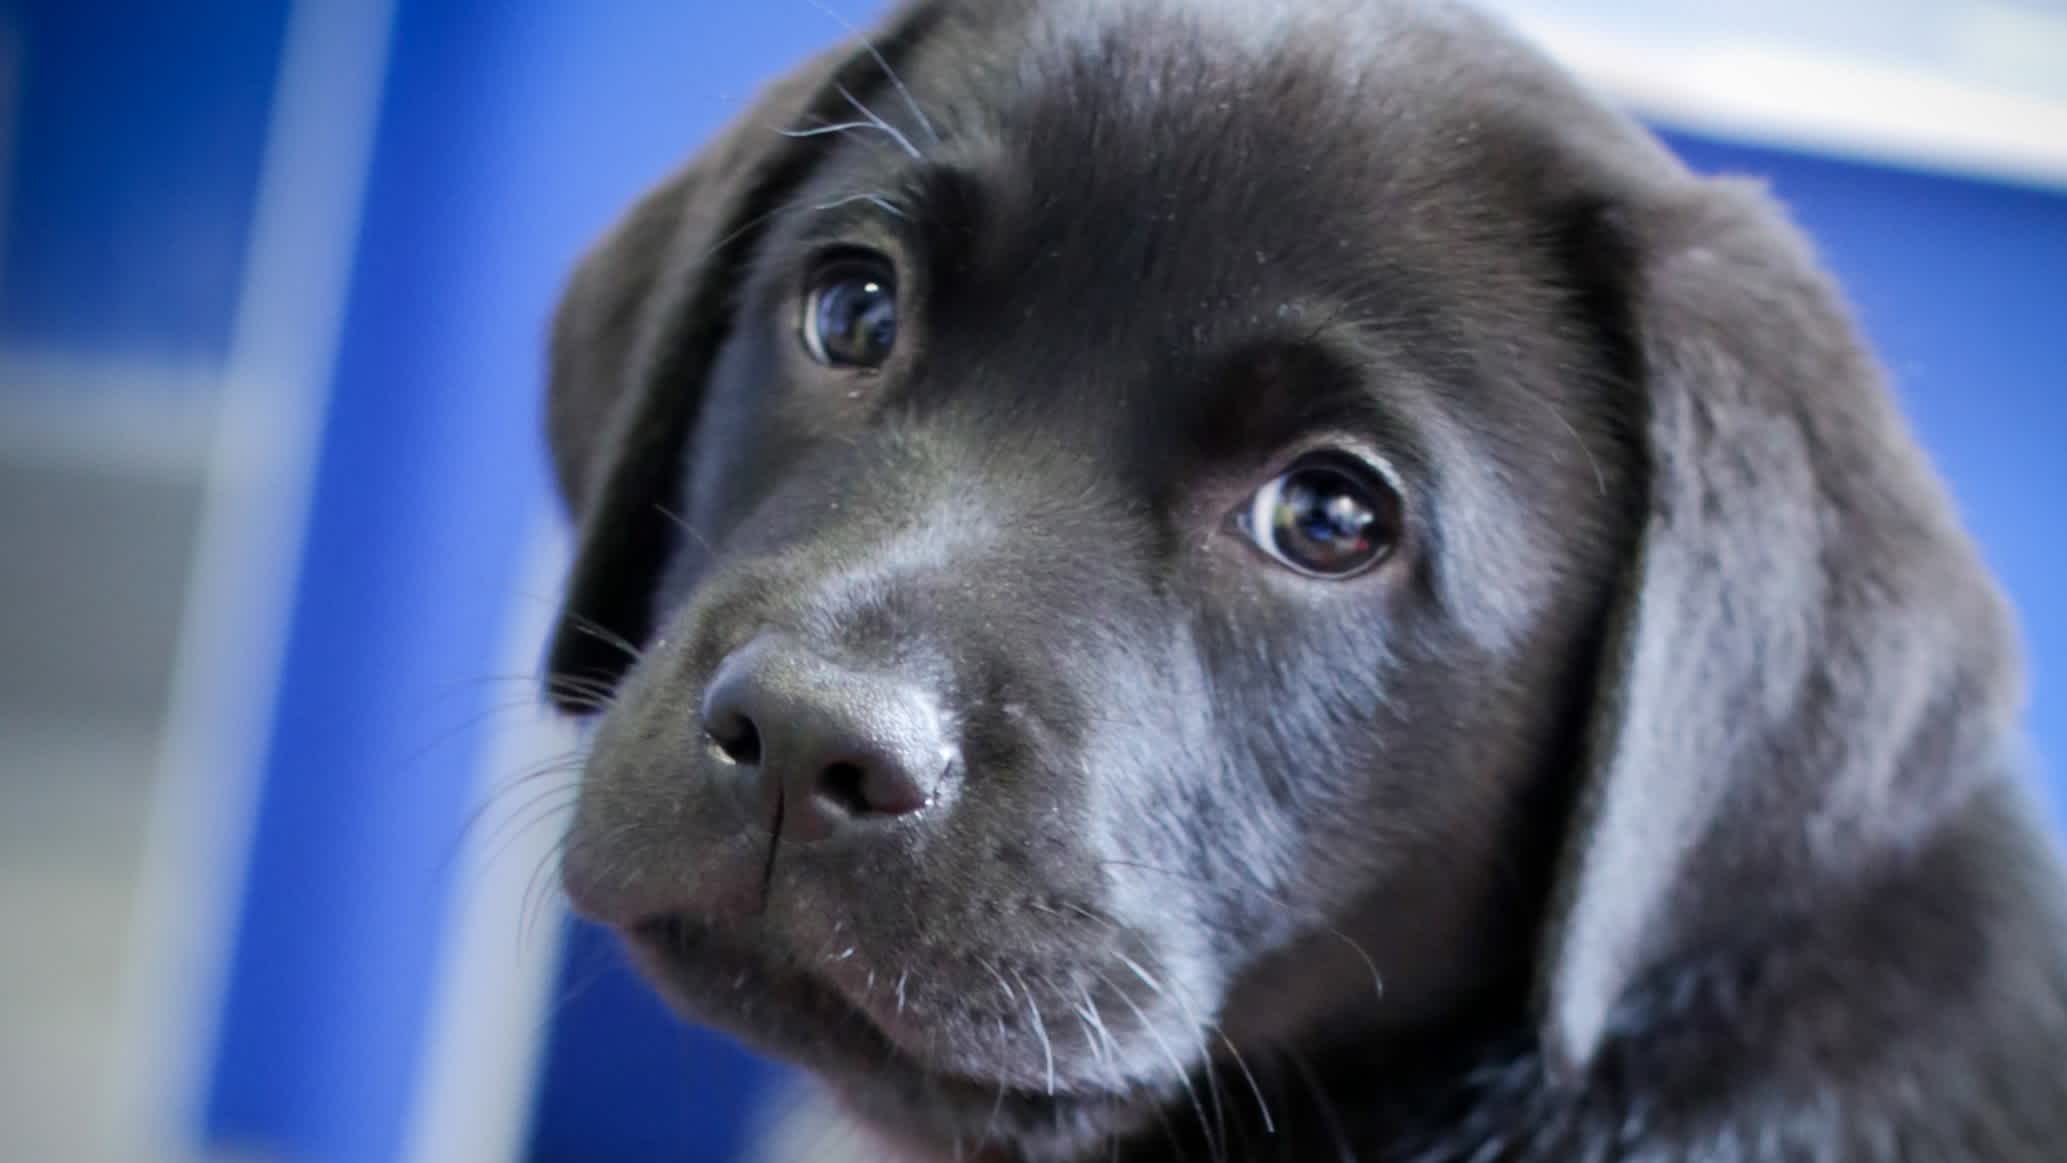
point(817, 748)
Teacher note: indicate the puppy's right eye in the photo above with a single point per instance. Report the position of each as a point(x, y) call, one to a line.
point(1331, 515)
point(850, 312)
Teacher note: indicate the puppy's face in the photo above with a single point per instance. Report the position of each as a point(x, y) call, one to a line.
point(1136, 563)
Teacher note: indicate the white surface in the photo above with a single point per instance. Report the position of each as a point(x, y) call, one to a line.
point(1979, 88)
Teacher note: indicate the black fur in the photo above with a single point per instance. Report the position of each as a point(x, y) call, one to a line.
point(1655, 800)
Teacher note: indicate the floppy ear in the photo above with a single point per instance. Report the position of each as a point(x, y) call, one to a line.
point(634, 337)
point(1809, 669)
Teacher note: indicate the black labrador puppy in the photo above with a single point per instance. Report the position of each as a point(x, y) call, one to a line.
point(1242, 581)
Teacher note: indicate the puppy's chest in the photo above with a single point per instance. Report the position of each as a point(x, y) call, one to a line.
point(1505, 1110)
point(1501, 1112)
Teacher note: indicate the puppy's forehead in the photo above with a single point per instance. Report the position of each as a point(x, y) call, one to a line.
point(1154, 61)
point(1068, 118)
point(1438, 90)
point(1225, 32)
point(1362, 35)
point(1312, 103)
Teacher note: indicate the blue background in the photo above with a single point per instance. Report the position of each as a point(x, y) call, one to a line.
point(136, 151)
point(510, 135)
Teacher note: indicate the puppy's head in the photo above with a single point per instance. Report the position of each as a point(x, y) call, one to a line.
point(1117, 535)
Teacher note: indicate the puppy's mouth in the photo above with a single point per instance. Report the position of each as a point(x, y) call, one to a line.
point(891, 1054)
point(692, 955)
point(729, 983)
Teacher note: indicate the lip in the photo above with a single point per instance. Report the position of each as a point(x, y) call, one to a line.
point(708, 973)
point(809, 1020)
point(852, 1016)
point(776, 1010)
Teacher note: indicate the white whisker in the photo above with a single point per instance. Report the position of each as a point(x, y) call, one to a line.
point(1198, 1035)
point(879, 123)
point(1040, 1030)
point(889, 73)
point(876, 200)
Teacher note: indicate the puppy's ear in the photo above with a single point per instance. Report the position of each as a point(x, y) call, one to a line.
point(636, 332)
point(1809, 669)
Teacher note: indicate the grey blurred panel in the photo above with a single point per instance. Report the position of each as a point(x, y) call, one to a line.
point(93, 565)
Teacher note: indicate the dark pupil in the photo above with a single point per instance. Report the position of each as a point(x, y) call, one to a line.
point(857, 320)
point(1323, 521)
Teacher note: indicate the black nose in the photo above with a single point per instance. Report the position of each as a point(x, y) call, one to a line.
point(823, 746)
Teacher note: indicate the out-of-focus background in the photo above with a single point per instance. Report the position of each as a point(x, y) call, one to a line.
point(276, 549)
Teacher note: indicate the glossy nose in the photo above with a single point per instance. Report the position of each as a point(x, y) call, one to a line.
point(820, 746)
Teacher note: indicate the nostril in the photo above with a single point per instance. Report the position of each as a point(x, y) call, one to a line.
point(874, 789)
point(735, 738)
point(846, 785)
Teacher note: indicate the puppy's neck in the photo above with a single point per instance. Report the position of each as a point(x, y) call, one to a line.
point(1834, 1026)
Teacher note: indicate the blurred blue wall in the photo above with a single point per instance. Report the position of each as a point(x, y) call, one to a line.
point(510, 135)
point(136, 142)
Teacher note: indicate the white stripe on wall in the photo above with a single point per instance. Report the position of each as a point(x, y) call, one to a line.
point(290, 311)
point(492, 1008)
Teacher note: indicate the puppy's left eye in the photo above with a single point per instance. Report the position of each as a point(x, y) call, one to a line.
point(1331, 515)
point(850, 312)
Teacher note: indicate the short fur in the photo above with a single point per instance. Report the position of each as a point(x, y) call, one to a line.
point(1657, 800)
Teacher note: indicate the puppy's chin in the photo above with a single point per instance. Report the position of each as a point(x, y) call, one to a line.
point(892, 1080)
